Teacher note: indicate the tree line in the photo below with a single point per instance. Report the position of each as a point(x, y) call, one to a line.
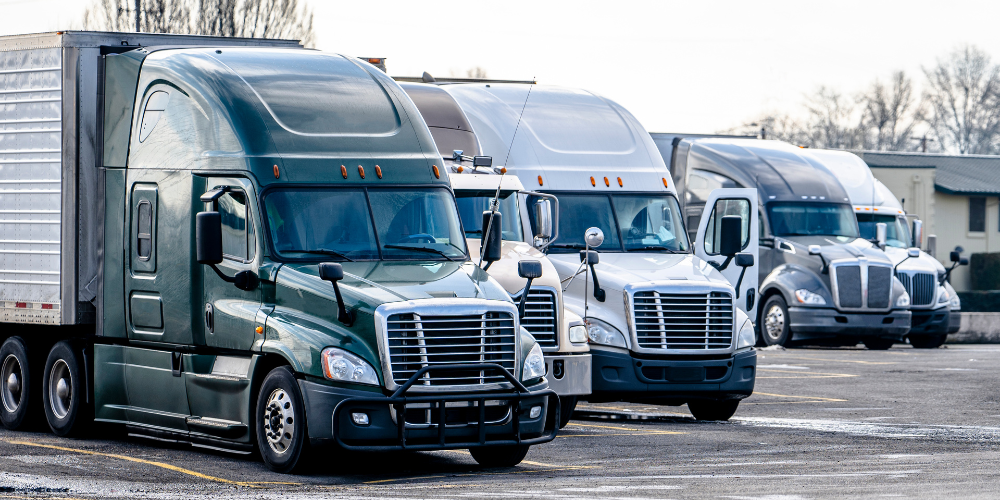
point(236, 18)
point(958, 111)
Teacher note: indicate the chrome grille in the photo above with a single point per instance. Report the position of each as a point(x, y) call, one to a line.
point(540, 317)
point(860, 284)
point(879, 287)
point(920, 286)
point(683, 321)
point(416, 341)
point(849, 286)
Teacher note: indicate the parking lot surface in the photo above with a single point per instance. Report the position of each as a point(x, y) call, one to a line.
point(822, 423)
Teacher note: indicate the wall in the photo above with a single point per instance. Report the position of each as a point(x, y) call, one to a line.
point(914, 186)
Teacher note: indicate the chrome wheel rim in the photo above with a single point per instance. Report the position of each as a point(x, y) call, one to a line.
point(774, 322)
point(12, 381)
point(60, 389)
point(278, 418)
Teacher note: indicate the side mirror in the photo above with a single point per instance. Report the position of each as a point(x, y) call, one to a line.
point(593, 258)
point(482, 161)
point(815, 250)
point(880, 231)
point(955, 256)
point(334, 272)
point(731, 239)
point(543, 219)
point(744, 259)
point(913, 252)
point(528, 269)
point(918, 233)
point(594, 237)
point(208, 237)
point(490, 244)
point(963, 261)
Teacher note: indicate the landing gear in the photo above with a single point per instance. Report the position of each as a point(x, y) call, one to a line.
point(63, 393)
point(16, 384)
point(713, 410)
point(282, 436)
point(499, 456)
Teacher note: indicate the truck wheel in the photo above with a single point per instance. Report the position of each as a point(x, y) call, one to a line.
point(63, 390)
point(499, 456)
point(282, 436)
point(566, 406)
point(16, 388)
point(775, 321)
point(713, 410)
point(878, 344)
point(927, 341)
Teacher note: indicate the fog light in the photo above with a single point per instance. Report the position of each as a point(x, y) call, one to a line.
point(360, 418)
point(535, 412)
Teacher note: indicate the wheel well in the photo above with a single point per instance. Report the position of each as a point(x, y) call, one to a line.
point(767, 295)
point(265, 364)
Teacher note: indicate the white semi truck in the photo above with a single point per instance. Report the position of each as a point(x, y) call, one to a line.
point(666, 317)
point(934, 304)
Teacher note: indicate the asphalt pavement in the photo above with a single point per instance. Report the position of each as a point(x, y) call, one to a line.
point(822, 423)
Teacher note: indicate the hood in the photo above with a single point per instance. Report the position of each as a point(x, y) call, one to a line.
point(924, 262)
point(838, 247)
point(504, 271)
point(616, 270)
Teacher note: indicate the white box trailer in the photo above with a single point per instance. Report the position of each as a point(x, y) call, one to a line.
point(51, 160)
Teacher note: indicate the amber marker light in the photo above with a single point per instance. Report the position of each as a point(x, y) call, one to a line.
point(378, 171)
point(539, 180)
point(607, 182)
point(503, 170)
point(665, 183)
point(593, 182)
point(437, 173)
point(620, 182)
point(343, 171)
point(276, 173)
point(460, 169)
point(259, 330)
point(361, 171)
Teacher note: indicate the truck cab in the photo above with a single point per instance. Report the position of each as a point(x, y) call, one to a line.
point(559, 331)
point(934, 306)
point(666, 317)
point(281, 264)
point(822, 282)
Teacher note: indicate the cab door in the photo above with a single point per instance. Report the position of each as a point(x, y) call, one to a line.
point(230, 314)
point(743, 203)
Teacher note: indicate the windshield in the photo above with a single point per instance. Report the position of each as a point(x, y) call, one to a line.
point(812, 219)
point(472, 204)
point(897, 232)
point(630, 222)
point(336, 224)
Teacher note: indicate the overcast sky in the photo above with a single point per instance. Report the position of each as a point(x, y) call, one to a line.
point(678, 66)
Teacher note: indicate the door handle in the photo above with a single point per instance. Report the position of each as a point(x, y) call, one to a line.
point(175, 363)
point(210, 318)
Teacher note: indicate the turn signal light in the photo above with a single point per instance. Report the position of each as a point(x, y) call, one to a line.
point(437, 173)
point(606, 182)
point(539, 180)
point(620, 182)
point(361, 171)
point(343, 171)
point(259, 330)
point(665, 183)
point(592, 182)
point(276, 173)
point(378, 171)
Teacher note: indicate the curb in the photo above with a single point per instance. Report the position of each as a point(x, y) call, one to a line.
point(977, 328)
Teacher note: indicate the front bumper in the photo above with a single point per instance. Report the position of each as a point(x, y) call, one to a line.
point(569, 374)
point(930, 322)
point(954, 321)
point(818, 322)
point(472, 418)
point(619, 376)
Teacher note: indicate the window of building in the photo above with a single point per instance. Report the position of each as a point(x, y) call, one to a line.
point(977, 214)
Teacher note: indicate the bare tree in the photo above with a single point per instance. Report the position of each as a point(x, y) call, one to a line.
point(476, 72)
point(154, 16)
point(890, 114)
point(833, 122)
point(773, 126)
point(256, 19)
point(962, 95)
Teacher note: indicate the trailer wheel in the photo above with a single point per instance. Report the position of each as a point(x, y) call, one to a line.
point(713, 410)
point(63, 390)
point(878, 344)
point(282, 435)
point(16, 389)
point(500, 456)
point(567, 405)
point(775, 325)
point(927, 341)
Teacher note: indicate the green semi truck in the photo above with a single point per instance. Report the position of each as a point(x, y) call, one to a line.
point(245, 246)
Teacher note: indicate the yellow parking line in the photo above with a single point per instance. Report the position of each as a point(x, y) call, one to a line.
point(148, 462)
point(817, 398)
point(534, 471)
point(650, 433)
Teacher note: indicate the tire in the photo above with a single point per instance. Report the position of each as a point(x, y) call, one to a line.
point(499, 456)
point(927, 341)
point(713, 410)
point(566, 406)
point(63, 387)
point(17, 385)
point(774, 322)
point(878, 344)
point(282, 434)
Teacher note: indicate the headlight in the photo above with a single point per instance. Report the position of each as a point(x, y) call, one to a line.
point(534, 364)
point(903, 300)
point(577, 334)
point(747, 336)
point(806, 297)
point(955, 304)
point(943, 296)
point(343, 366)
point(600, 332)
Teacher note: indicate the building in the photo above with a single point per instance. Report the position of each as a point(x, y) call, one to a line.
point(957, 197)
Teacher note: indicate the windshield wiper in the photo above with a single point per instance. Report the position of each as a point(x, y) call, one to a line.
point(322, 251)
point(421, 249)
point(653, 247)
point(576, 246)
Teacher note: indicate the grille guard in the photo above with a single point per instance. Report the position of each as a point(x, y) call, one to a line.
point(398, 400)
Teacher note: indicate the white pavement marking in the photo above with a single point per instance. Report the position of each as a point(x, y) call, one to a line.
point(887, 430)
